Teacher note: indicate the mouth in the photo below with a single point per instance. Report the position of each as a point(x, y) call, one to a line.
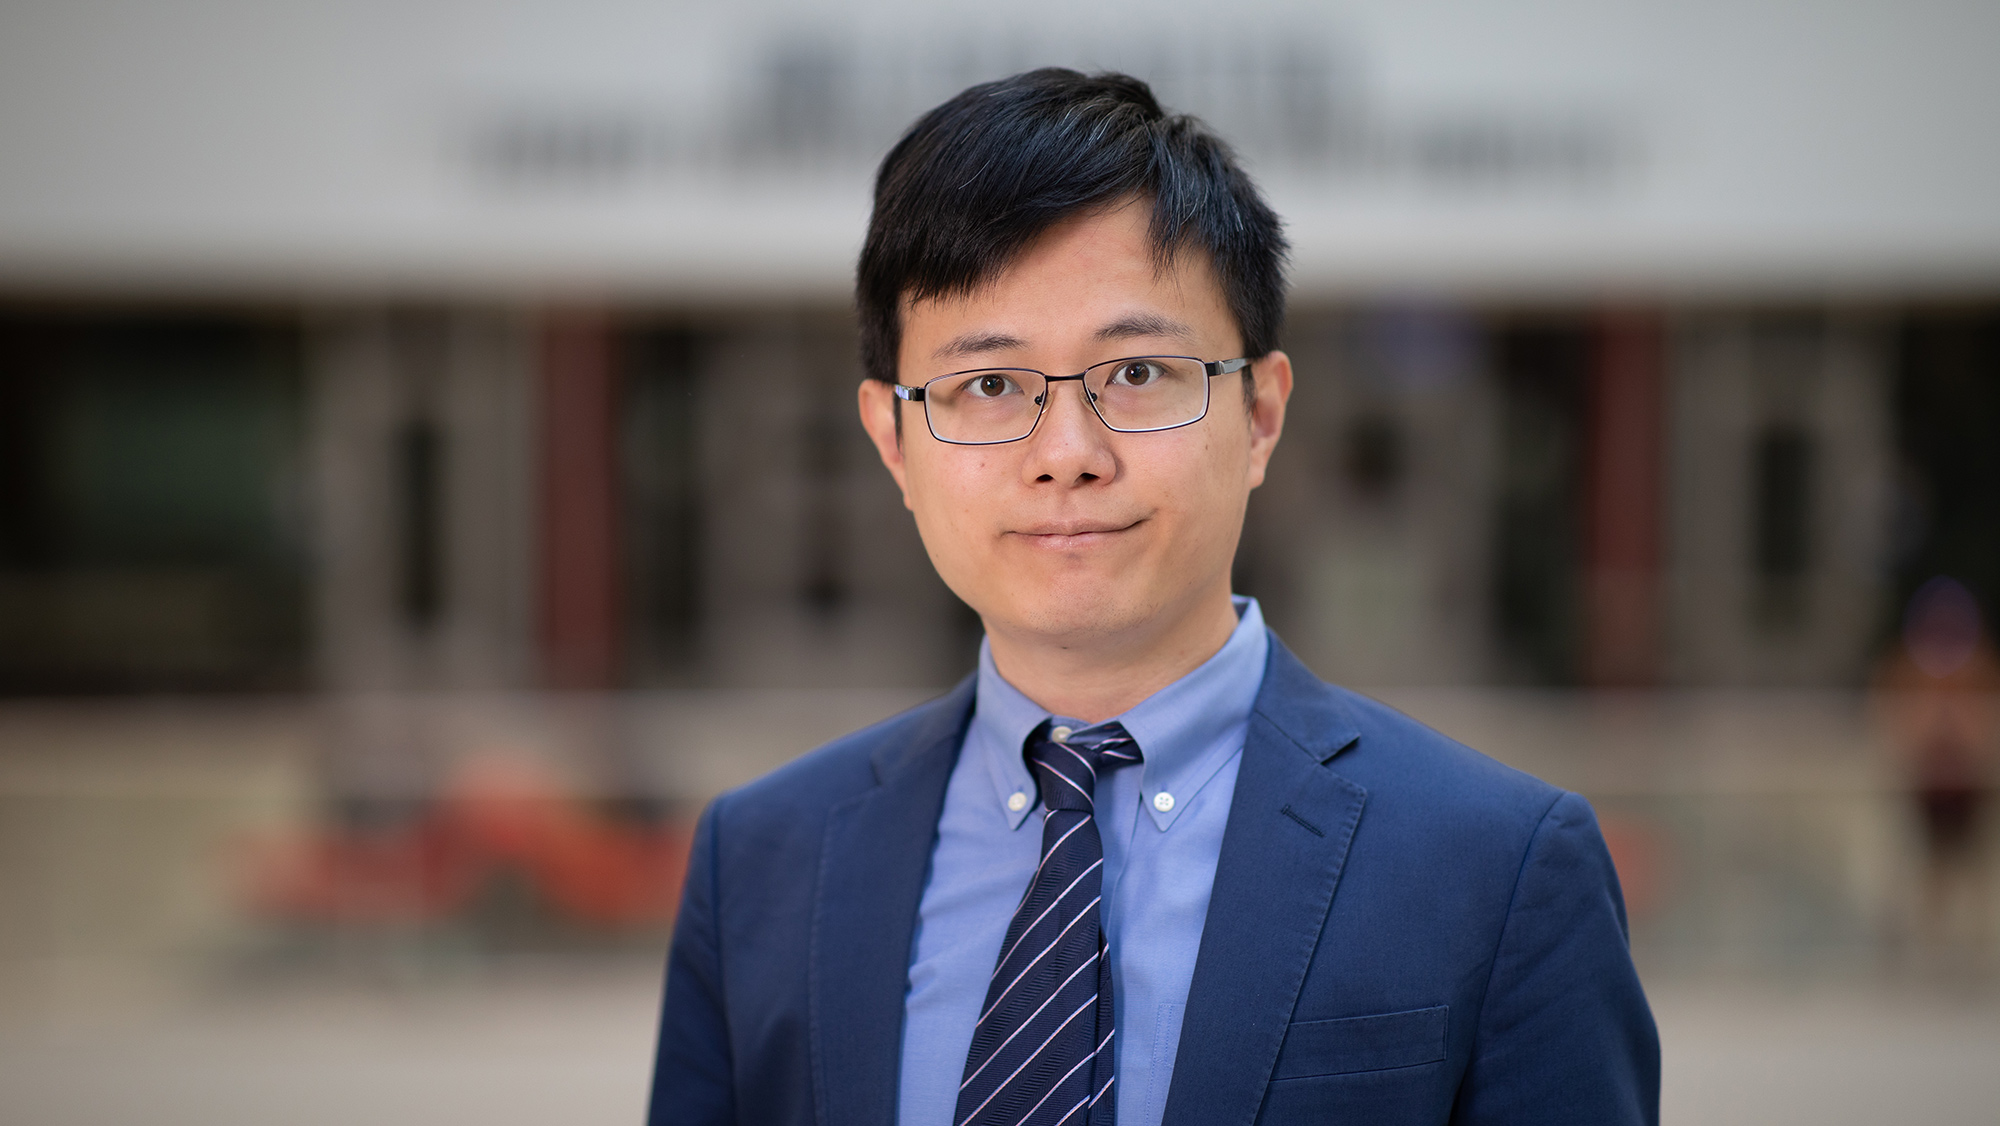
point(1064, 535)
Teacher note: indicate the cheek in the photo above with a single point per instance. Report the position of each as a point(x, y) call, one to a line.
point(946, 498)
point(1205, 471)
point(1204, 489)
point(953, 480)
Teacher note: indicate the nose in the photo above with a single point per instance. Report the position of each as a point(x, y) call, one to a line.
point(1070, 445)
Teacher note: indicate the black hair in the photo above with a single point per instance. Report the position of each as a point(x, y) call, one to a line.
point(977, 179)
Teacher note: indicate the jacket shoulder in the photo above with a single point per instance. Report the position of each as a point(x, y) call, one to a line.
point(832, 773)
point(1419, 775)
point(1399, 761)
point(1397, 753)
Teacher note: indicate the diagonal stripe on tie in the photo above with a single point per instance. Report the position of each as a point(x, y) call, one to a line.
point(1024, 1026)
point(1046, 911)
point(995, 999)
point(1042, 1053)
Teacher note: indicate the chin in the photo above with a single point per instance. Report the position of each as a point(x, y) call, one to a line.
point(1079, 611)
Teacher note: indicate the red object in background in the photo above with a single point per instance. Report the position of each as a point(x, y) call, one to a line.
point(1622, 501)
point(494, 818)
point(586, 866)
point(410, 874)
point(1639, 855)
point(580, 557)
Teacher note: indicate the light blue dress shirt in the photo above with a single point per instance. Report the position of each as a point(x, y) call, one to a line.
point(1161, 824)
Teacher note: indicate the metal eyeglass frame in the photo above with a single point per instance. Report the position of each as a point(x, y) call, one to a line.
point(1211, 368)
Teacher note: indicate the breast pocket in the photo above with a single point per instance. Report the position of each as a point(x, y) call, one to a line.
point(1366, 1043)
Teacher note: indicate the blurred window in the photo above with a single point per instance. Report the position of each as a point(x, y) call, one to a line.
point(1543, 369)
point(149, 516)
point(420, 483)
point(1948, 437)
point(1783, 511)
point(662, 473)
point(1373, 456)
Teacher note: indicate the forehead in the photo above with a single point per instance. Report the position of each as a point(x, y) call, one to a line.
point(1090, 278)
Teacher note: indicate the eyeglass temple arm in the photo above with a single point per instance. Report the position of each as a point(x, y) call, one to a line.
point(908, 394)
point(1224, 367)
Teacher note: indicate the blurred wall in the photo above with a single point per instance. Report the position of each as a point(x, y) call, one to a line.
point(698, 151)
point(507, 347)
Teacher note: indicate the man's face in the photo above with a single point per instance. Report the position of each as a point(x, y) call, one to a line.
point(1078, 533)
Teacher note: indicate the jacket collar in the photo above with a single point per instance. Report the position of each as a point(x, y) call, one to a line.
point(936, 727)
point(1290, 824)
point(871, 877)
point(1306, 710)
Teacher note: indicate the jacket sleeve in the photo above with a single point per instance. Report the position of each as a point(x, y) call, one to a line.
point(1564, 1035)
point(692, 1082)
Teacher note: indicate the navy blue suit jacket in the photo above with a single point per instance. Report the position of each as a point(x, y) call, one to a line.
point(1402, 931)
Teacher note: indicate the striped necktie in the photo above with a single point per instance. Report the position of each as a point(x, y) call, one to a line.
point(1042, 1052)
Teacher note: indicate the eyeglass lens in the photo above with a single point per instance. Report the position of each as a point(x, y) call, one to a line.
point(1002, 404)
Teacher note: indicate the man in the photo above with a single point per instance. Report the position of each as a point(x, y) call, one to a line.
point(1142, 867)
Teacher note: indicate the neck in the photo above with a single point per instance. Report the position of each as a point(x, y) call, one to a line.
point(1104, 675)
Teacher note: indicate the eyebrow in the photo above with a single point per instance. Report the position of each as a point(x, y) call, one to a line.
point(977, 343)
point(1137, 325)
point(1145, 324)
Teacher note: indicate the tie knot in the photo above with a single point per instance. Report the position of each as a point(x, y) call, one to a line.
point(1067, 770)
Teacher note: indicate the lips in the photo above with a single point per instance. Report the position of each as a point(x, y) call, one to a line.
point(1075, 528)
point(1065, 535)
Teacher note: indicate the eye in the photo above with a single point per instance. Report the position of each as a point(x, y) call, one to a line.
point(989, 385)
point(1136, 373)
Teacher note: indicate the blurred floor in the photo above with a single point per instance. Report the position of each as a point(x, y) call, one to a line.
point(574, 1047)
point(571, 1045)
point(1829, 1056)
point(1767, 855)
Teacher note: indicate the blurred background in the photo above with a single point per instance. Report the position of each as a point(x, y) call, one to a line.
point(428, 474)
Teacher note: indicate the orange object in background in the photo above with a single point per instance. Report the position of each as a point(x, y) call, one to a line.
point(494, 818)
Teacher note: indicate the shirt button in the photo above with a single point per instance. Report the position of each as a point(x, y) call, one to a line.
point(1017, 802)
point(1163, 801)
point(1060, 734)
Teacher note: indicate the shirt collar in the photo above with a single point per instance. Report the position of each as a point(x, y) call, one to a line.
point(1180, 729)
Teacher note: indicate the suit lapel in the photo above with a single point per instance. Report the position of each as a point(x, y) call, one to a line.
point(1290, 824)
point(871, 879)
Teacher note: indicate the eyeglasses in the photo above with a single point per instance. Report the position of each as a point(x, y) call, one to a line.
point(1134, 395)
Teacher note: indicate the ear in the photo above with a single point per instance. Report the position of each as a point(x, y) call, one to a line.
point(1272, 376)
point(879, 406)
